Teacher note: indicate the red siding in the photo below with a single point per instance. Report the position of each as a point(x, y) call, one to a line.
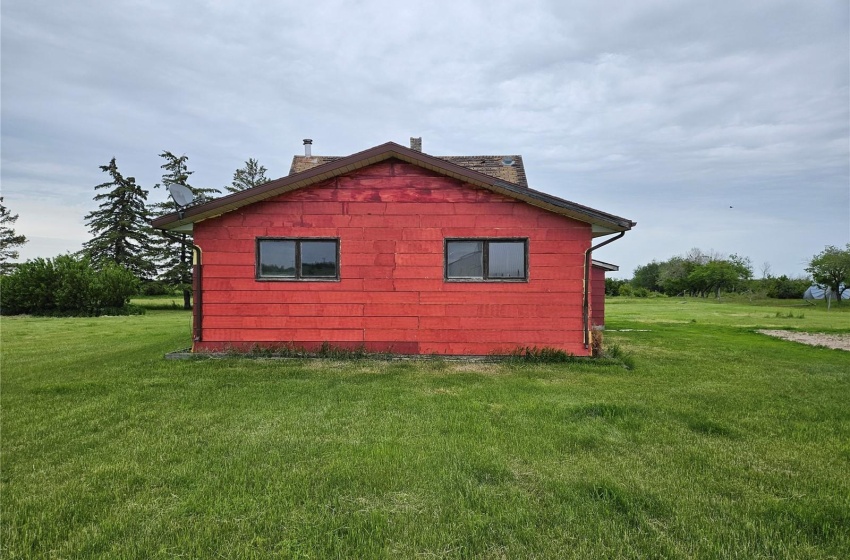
point(597, 296)
point(391, 220)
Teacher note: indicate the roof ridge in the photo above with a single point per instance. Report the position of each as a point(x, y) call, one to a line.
point(493, 165)
point(605, 222)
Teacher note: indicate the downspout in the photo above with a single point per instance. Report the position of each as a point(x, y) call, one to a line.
point(585, 305)
point(197, 295)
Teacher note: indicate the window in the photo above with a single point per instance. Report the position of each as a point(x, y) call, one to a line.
point(486, 259)
point(298, 259)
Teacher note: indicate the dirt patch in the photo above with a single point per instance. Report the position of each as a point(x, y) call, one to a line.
point(837, 341)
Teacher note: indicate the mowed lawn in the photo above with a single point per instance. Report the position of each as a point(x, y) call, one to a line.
point(720, 443)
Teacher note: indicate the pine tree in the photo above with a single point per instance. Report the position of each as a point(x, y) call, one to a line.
point(8, 238)
point(252, 175)
point(174, 250)
point(119, 226)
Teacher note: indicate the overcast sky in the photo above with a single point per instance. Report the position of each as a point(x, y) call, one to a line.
point(723, 125)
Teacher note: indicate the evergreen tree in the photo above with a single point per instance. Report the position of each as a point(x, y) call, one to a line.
point(8, 238)
point(119, 226)
point(173, 251)
point(252, 175)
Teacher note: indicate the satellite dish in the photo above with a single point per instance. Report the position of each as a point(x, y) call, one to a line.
point(182, 195)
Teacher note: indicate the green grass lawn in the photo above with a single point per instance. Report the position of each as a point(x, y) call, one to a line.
point(720, 443)
point(170, 303)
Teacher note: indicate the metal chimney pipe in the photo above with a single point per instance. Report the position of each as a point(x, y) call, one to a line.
point(308, 144)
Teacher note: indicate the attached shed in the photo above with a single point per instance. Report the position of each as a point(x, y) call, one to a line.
point(597, 290)
point(392, 249)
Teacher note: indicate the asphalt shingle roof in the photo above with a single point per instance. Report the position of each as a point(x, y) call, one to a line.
point(506, 168)
point(313, 173)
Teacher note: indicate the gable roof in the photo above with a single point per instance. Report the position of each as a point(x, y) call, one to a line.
point(508, 168)
point(602, 222)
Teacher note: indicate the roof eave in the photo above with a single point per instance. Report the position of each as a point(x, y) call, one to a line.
point(608, 267)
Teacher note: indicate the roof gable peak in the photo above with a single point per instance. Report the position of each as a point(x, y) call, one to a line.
point(505, 167)
point(603, 222)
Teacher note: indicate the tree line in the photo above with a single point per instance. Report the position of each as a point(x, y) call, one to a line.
point(124, 256)
point(701, 274)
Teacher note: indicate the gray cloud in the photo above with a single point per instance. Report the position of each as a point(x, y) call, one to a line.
point(665, 112)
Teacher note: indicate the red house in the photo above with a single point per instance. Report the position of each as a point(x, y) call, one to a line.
point(391, 249)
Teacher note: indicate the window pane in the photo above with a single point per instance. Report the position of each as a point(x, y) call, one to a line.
point(465, 259)
point(318, 259)
point(507, 259)
point(277, 258)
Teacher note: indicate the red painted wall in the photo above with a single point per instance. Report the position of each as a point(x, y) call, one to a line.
point(391, 219)
point(597, 296)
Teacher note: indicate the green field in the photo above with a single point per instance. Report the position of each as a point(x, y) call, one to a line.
point(719, 443)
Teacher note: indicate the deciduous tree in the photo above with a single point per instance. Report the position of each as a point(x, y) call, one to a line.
point(673, 276)
point(714, 276)
point(695, 273)
point(646, 276)
point(831, 269)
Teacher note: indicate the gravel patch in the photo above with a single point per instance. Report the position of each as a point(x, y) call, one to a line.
point(836, 341)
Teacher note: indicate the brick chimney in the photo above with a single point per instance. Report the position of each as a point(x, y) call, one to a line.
point(308, 145)
point(416, 144)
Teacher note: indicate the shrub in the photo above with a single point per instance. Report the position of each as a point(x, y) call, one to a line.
point(787, 288)
point(629, 290)
point(31, 286)
point(613, 285)
point(74, 286)
point(66, 285)
point(155, 288)
point(112, 286)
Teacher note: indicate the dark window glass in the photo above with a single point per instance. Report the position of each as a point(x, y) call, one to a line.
point(277, 259)
point(298, 259)
point(318, 259)
point(484, 259)
point(507, 259)
point(465, 259)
